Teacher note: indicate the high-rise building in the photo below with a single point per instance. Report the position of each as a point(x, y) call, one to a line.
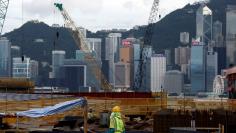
point(74, 75)
point(219, 45)
point(168, 57)
point(34, 68)
point(204, 24)
point(211, 69)
point(155, 73)
point(182, 58)
point(126, 54)
point(231, 34)
point(122, 78)
point(15, 51)
point(182, 55)
point(58, 58)
point(184, 38)
point(136, 53)
point(95, 46)
point(112, 44)
point(198, 68)
point(217, 33)
point(79, 76)
point(5, 57)
point(21, 69)
point(174, 82)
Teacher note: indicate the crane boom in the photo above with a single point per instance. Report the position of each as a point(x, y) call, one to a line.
point(82, 44)
point(3, 11)
point(144, 50)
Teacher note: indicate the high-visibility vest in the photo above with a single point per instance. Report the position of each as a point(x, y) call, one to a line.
point(119, 125)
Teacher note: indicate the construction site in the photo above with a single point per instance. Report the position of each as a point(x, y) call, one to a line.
point(23, 110)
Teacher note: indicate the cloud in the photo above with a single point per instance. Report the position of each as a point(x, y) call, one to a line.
point(129, 5)
point(91, 14)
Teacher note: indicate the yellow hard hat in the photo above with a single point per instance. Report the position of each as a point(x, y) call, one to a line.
point(116, 109)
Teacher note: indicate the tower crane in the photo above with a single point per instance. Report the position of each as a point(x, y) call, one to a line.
point(82, 44)
point(147, 42)
point(3, 11)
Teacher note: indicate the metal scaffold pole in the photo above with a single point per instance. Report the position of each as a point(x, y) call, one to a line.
point(3, 11)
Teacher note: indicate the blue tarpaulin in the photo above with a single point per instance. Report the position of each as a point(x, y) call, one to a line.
point(51, 110)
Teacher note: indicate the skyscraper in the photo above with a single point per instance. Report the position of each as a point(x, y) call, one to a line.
point(155, 73)
point(58, 58)
point(74, 75)
point(168, 57)
point(211, 69)
point(136, 59)
point(112, 44)
point(122, 78)
point(231, 34)
point(174, 82)
point(218, 34)
point(95, 46)
point(204, 24)
point(5, 57)
point(219, 45)
point(198, 68)
point(15, 51)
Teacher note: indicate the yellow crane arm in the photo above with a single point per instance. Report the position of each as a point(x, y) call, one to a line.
point(82, 44)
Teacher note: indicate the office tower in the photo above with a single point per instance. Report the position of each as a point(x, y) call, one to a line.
point(136, 60)
point(231, 34)
point(112, 44)
point(218, 34)
point(21, 69)
point(95, 46)
point(211, 69)
point(34, 69)
point(122, 78)
point(219, 45)
point(79, 76)
point(168, 57)
point(5, 57)
point(182, 58)
point(204, 24)
point(15, 51)
point(58, 58)
point(74, 75)
point(155, 73)
point(198, 68)
point(184, 38)
point(126, 54)
point(173, 82)
point(182, 55)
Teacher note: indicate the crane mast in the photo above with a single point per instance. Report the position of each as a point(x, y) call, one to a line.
point(144, 47)
point(3, 11)
point(82, 44)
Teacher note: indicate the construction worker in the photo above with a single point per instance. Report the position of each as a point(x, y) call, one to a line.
point(116, 122)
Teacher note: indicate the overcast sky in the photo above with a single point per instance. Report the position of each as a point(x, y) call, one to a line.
point(91, 14)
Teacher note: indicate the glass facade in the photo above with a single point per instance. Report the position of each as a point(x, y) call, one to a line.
point(112, 44)
point(231, 35)
point(198, 64)
point(5, 58)
point(204, 24)
point(21, 69)
point(212, 68)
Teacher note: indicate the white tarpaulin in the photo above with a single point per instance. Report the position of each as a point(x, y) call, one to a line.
point(51, 110)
